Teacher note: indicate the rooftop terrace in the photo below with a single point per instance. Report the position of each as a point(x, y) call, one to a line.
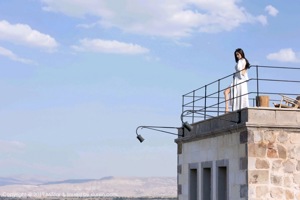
point(273, 81)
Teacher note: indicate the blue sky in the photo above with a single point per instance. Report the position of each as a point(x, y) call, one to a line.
point(78, 77)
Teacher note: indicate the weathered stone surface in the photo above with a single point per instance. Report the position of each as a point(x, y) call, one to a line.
point(297, 195)
point(289, 195)
point(297, 152)
point(282, 137)
point(257, 150)
point(276, 180)
point(295, 138)
point(276, 193)
point(276, 165)
point(289, 166)
point(298, 166)
point(262, 164)
point(272, 153)
point(258, 176)
point(262, 192)
point(282, 153)
point(296, 179)
point(288, 182)
point(270, 136)
point(258, 137)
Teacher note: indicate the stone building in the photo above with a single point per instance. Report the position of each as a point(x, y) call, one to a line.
point(251, 154)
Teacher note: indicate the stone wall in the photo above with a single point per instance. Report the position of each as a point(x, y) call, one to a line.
point(273, 164)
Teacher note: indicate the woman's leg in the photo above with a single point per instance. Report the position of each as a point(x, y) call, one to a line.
point(226, 95)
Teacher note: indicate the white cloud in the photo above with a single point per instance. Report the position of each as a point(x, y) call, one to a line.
point(9, 146)
point(284, 55)
point(262, 19)
point(168, 18)
point(271, 10)
point(25, 35)
point(9, 54)
point(109, 46)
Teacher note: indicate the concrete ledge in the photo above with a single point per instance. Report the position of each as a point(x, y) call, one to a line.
point(240, 120)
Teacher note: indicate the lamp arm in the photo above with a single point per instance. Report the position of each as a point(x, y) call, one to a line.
point(156, 128)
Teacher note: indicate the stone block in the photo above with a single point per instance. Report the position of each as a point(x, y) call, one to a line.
point(276, 180)
point(262, 117)
point(295, 138)
point(258, 137)
point(298, 166)
point(262, 192)
point(262, 164)
point(277, 193)
point(272, 153)
point(296, 179)
point(276, 165)
point(257, 150)
point(282, 137)
point(297, 195)
point(289, 166)
point(287, 182)
point(282, 152)
point(289, 195)
point(286, 118)
point(269, 136)
point(258, 177)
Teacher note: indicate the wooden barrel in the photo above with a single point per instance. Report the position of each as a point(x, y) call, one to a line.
point(262, 101)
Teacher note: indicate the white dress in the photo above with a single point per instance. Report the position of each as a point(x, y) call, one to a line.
point(239, 87)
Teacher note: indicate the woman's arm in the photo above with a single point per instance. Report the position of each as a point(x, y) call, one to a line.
point(241, 64)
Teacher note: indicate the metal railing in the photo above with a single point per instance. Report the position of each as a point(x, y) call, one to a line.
point(209, 101)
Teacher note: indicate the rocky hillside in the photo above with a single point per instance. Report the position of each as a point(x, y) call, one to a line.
point(106, 187)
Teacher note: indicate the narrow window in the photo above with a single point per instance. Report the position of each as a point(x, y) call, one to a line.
point(206, 183)
point(222, 183)
point(222, 180)
point(193, 182)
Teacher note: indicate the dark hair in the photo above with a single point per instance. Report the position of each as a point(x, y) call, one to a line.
point(240, 51)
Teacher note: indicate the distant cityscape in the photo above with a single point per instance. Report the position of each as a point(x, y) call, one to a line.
point(89, 198)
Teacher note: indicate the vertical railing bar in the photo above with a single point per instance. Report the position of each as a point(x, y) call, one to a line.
point(205, 101)
point(257, 87)
point(218, 96)
point(182, 103)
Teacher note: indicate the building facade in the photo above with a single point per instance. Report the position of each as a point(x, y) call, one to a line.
point(252, 154)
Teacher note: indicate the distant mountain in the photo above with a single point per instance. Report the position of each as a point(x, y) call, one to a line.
point(72, 181)
point(8, 181)
point(104, 187)
point(19, 181)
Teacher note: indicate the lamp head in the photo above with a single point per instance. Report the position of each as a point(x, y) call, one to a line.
point(187, 126)
point(140, 138)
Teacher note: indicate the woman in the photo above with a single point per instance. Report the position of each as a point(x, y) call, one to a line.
point(239, 87)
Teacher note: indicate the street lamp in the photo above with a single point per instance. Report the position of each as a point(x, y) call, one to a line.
point(186, 124)
point(156, 128)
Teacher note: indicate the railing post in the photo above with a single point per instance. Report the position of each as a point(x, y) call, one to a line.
point(182, 109)
point(257, 87)
point(193, 114)
point(218, 96)
point(205, 101)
